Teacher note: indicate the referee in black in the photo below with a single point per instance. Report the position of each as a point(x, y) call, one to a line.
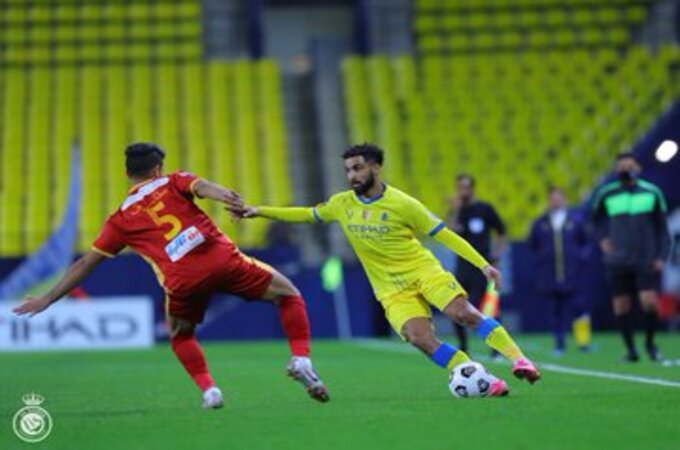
point(630, 219)
point(475, 221)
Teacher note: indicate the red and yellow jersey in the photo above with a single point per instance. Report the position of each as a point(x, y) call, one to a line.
point(160, 221)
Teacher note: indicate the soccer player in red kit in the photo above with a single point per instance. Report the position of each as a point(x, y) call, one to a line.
point(192, 259)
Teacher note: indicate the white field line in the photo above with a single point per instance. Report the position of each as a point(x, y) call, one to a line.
point(404, 348)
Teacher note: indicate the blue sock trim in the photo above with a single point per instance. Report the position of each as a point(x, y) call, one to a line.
point(444, 354)
point(486, 327)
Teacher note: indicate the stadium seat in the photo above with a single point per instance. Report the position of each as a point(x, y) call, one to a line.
point(11, 204)
point(91, 133)
point(37, 180)
point(222, 152)
point(92, 28)
point(192, 95)
point(115, 115)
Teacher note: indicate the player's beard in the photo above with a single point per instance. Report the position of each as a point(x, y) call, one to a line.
point(364, 187)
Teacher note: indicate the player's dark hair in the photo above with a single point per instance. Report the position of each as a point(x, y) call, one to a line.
point(370, 152)
point(626, 155)
point(468, 177)
point(142, 157)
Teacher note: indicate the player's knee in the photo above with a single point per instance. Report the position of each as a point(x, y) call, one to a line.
point(290, 290)
point(464, 314)
point(179, 327)
point(281, 287)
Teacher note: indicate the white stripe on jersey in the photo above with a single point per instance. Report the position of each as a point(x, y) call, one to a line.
point(143, 192)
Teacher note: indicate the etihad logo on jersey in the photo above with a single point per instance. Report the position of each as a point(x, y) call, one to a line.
point(144, 191)
point(372, 229)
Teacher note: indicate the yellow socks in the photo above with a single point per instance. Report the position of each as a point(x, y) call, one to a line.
point(448, 356)
point(582, 331)
point(498, 338)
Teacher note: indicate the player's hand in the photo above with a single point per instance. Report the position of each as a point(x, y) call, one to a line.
point(606, 246)
point(232, 199)
point(658, 265)
point(250, 212)
point(493, 274)
point(32, 306)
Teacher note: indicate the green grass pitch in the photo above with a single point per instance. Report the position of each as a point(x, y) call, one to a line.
point(384, 396)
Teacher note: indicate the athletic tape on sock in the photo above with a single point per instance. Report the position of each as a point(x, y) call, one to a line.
point(486, 327)
point(444, 354)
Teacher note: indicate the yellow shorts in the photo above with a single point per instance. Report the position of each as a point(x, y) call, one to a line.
point(437, 289)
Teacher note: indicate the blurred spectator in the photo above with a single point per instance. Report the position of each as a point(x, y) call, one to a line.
point(474, 220)
point(559, 243)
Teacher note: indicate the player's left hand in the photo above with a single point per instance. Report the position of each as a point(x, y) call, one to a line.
point(493, 274)
point(32, 306)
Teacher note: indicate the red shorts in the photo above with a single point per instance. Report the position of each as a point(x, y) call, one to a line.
point(239, 275)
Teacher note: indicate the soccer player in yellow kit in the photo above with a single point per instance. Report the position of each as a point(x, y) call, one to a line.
point(382, 224)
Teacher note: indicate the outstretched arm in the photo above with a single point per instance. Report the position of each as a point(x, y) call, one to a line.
point(75, 274)
point(213, 191)
point(286, 214)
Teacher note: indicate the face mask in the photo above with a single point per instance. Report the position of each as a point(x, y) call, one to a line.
point(627, 176)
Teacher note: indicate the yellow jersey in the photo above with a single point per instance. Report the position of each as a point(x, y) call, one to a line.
point(384, 232)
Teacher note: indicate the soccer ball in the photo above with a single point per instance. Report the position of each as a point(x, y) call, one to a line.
point(470, 379)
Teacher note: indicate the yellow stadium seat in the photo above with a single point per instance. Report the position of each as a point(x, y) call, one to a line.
point(189, 29)
point(220, 120)
point(140, 52)
point(37, 225)
point(191, 50)
point(113, 31)
point(192, 81)
point(65, 12)
point(89, 33)
point(115, 52)
point(90, 13)
point(91, 127)
point(89, 52)
point(141, 91)
point(16, 15)
point(64, 119)
point(115, 116)
point(140, 12)
point(189, 9)
point(114, 12)
point(11, 204)
point(635, 14)
point(164, 10)
point(40, 15)
point(66, 54)
point(16, 35)
point(164, 30)
point(140, 30)
point(168, 124)
point(65, 34)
